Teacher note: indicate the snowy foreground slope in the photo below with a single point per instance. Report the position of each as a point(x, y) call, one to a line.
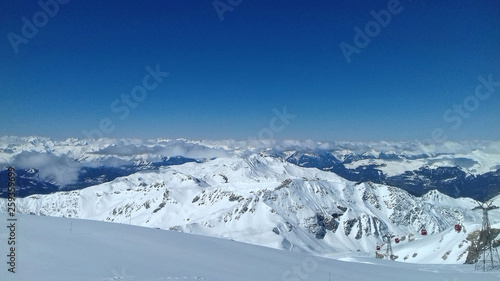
point(74, 249)
point(266, 201)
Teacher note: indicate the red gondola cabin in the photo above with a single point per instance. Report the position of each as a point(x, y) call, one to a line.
point(423, 232)
point(396, 240)
point(378, 248)
point(458, 227)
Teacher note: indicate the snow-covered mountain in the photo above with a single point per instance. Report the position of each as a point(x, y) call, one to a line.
point(265, 200)
point(466, 169)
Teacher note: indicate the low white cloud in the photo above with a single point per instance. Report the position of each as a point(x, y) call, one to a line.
point(164, 149)
point(57, 169)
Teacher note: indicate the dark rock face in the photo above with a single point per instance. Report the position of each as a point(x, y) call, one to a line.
point(478, 240)
point(331, 224)
point(316, 226)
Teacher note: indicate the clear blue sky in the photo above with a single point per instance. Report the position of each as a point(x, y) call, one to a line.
point(226, 77)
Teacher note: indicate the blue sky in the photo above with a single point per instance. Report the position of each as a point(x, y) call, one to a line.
point(226, 77)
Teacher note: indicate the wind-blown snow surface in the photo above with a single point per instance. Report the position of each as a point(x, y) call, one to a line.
point(72, 249)
point(267, 201)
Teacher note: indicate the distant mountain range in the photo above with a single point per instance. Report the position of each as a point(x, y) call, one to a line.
point(454, 181)
point(468, 169)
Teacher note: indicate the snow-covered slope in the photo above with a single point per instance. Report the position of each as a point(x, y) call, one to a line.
point(267, 201)
point(53, 249)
